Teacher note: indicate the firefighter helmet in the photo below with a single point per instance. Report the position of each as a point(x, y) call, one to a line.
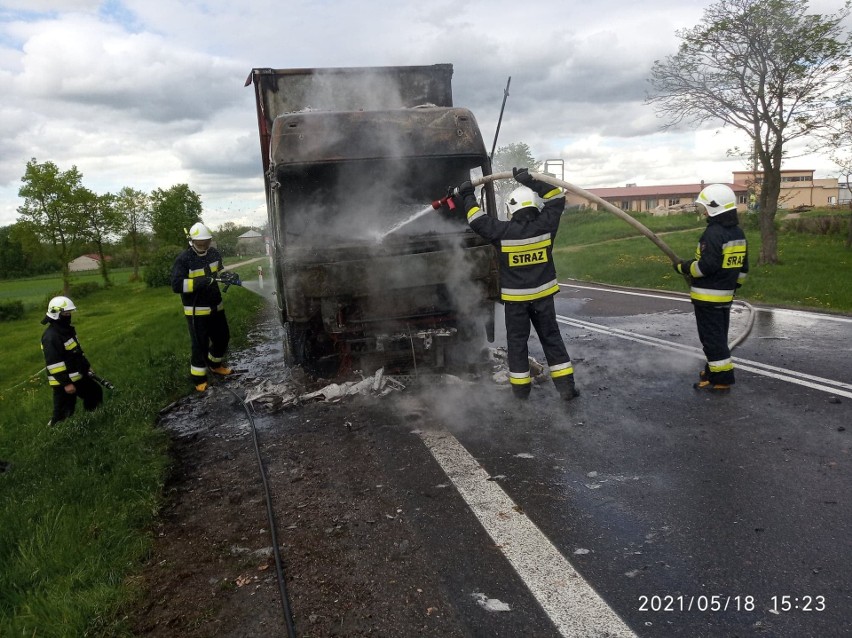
point(520, 198)
point(58, 305)
point(199, 231)
point(717, 199)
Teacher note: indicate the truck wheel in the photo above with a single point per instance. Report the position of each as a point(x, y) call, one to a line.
point(294, 343)
point(306, 347)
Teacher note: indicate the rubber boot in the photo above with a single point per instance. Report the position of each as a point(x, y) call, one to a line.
point(570, 392)
point(717, 388)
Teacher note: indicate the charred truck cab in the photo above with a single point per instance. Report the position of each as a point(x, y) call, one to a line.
point(365, 275)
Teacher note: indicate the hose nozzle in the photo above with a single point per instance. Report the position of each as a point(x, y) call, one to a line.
point(447, 199)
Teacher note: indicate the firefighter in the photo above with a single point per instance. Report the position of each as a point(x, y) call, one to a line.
point(719, 268)
point(527, 276)
point(68, 369)
point(194, 277)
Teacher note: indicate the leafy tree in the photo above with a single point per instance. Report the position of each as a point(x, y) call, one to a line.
point(13, 259)
point(51, 212)
point(134, 207)
point(226, 237)
point(158, 271)
point(764, 67)
point(173, 211)
point(102, 220)
point(838, 140)
point(505, 159)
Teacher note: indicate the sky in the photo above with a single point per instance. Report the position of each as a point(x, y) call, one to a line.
point(150, 93)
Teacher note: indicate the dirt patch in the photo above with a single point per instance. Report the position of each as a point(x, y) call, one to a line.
point(353, 560)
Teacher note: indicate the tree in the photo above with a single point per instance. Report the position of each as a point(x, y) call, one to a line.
point(50, 210)
point(226, 237)
point(505, 159)
point(134, 208)
point(764, 67)
point(102, 220)
point(173, 211)
point(13, 259)
point(838, 140)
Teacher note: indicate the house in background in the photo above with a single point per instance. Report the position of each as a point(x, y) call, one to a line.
point(666, 199)
point(91, 261)
point(798, 188)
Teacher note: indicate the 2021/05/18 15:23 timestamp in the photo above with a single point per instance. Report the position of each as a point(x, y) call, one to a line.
point(781, 604)
point(721, 603)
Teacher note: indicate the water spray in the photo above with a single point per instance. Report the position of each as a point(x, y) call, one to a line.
point(447, 201)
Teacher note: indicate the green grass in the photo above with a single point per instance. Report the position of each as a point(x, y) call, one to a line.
point(584, 227)
point(77, 504)
point(814, 270)
point(35, 291)
point(79, 498)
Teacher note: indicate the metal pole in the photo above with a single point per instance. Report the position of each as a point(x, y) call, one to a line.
point(500, 119)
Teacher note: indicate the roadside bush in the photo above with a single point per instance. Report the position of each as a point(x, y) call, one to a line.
point(823, 225)
point(11, 310)
point(83, 289)
point(158, 270)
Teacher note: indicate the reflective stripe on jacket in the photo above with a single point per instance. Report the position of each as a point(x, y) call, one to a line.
point(721, 260)
point(190, 274)
point(63, 354)
point(525, 245)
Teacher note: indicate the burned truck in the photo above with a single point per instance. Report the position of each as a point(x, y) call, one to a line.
point(367, 272)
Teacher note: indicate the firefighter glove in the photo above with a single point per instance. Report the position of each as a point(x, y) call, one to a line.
point(522, 176)
point(682, 267)
point(466, 198)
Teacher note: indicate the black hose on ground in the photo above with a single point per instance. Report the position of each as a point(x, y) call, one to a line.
point(602, 203)
point(279, 567)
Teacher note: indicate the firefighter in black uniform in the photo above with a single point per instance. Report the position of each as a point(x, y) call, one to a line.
point(194, 277)
point(719, 268)
point(527, 276)
point(68, 369)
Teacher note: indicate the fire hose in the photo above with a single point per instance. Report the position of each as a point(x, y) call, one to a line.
point(644, 230)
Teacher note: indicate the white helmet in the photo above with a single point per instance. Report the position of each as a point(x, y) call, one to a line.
point(522, 197)
point(717, 199)
point(59, 304)
point(199, 231)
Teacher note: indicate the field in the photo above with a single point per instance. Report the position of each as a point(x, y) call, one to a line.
point(77, 501)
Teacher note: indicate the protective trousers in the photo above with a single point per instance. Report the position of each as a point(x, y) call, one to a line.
point(541, 313)
point(713, 321)
point(209, 336)
point(88, 391)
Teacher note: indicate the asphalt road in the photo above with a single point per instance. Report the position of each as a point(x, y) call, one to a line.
point(643, 508)
point(646, 508)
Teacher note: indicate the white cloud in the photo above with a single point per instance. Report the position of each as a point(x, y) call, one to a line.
point(149, 93)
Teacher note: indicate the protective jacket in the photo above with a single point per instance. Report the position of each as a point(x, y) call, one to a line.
point(192, 278)
point(63, 354)
point(721, 261)
point(527, 284)
point(525, 244)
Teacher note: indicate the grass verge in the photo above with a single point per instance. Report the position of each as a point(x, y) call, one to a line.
point(77, 499)
point(813, 270)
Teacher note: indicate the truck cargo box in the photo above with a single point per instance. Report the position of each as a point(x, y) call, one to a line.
point(348, 156)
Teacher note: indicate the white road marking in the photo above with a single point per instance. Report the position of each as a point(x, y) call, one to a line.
point(783, 374)
point(570, 602)
point(678, 296)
